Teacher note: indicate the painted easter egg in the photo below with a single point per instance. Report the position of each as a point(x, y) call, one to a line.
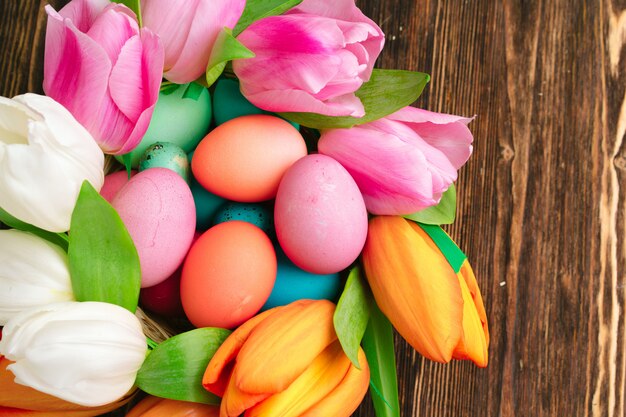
point(157, 208)
point(245, 158)
point(319, 215)
point(228, 103)
point(293, 283)
point(206, 202)
point(260, 215)
point(227, 275)
point(165, 155)
point(182, 116)
point(114, 182)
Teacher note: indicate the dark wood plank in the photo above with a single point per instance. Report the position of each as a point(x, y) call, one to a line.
point(541, 203)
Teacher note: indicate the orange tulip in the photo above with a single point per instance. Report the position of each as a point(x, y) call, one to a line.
point(162, 407)
point(18, 400)
point(439, 312)
point(287, 362)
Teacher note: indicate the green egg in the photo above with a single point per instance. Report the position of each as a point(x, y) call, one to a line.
point(258, 214)
point(182, 116)
point(228, 102)
point(165, 155)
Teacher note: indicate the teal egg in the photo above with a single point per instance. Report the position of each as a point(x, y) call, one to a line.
point(165, 155)
point(259, 215)
point(293, 283)
point(206, 202)
point(228, 102)
point(182, 116)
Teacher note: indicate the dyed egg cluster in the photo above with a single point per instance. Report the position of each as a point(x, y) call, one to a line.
point(233, 215)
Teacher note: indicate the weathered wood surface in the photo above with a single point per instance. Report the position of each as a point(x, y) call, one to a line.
point(541, 202)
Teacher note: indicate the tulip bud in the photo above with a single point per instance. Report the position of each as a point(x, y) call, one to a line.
point(439, 312)
point(87, 353)
point(45, 155)
point(33, 272)
point(310, 59)
point(188, 30)
point(404, 162)
point(104, 69)
point(287, 361)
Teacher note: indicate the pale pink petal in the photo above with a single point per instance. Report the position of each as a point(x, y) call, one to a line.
point(139, 70)
point(211, 16)
point(391, 173)
point(300, 101)
point(76, 69)
point(83, 12)
point(171, 20)
point(446, 132)
point(110, 40)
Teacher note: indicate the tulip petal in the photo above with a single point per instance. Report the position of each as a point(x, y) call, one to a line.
point(236, 401)
point(83, 12)
point(217, 374)
point(474, 343)
point(156, 407)
point(202, 33)
point(112, 41)
point(76, 69)
point(300, 101)
point(347, 396)
point(414, 286)
point(446, 132)
point(299, 331)
point(21, 400)
point(318, 381)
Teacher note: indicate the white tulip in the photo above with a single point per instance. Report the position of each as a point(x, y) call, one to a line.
point(87, 353)
point(33, 272)
point(45, 155)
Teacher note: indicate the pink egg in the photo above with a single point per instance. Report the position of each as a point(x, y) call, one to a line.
point(113, 183)
point(157, 208)
point(320, 216)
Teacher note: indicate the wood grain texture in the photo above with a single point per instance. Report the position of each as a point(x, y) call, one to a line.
point(541, 202)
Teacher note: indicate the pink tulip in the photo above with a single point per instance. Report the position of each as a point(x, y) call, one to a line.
point(311, 59)
point(404, 162)
point(104, 70)
point(188, 29)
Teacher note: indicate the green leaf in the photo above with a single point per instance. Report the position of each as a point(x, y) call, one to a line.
point(386, 92)
point(175, 368)
point(442, 213)
point(104, 264)
point(226, 48)
point(134, 5)
point(379, 350)
point(59, 239)
point(454, 255)
point(258, 9)
point(352, 314)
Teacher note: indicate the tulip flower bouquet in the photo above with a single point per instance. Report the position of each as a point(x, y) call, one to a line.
point(240, 171)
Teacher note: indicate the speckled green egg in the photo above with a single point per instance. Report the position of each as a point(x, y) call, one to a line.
point(165, 155)
point(228, 102)
point(259, 215)
point(182, 116)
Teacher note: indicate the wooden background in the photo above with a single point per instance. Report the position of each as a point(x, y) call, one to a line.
point(541, 210)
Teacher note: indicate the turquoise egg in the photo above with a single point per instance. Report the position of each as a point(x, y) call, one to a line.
point(293, 283)
point(228, 102)
point(206, 202)
point(182, 116)
point(259, 215)
point(166, 155)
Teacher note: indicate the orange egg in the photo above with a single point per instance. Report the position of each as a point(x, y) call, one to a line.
point(228, 275)
point(245, 158)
